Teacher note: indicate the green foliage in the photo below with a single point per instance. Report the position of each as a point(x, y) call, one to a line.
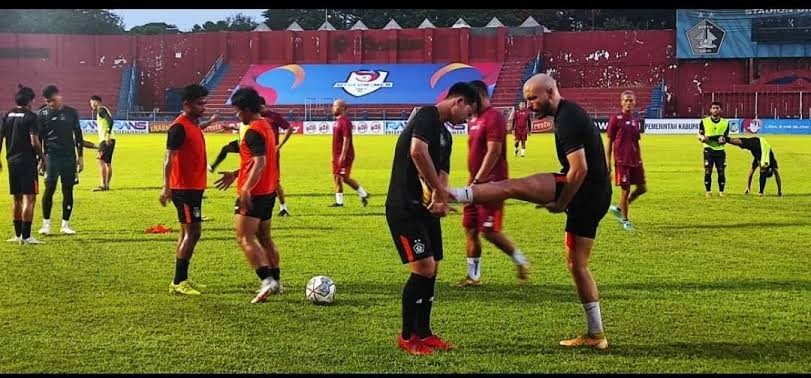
point(60, 21)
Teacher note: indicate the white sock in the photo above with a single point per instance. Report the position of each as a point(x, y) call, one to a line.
point(339, 198)
point(65, 223)
point(362, 192)
point(523, 152)
point(518, 257)
point(283, 207)
point(474, 268)
point(462, 195)
point(46, 222)
point(593, 318)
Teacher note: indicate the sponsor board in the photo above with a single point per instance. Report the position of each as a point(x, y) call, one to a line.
point(457, 129)
point(119, 127)
point(543, 125)
point(373, 127)
point(683, 125)
point(218, 127)
point(786, 126)
point(394, 127)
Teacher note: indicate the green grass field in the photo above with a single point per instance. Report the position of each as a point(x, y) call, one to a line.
point(702, 285)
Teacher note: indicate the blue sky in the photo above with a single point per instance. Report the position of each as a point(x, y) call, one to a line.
point(183, 18)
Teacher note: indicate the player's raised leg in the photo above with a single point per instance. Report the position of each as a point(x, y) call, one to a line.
point(540, 188)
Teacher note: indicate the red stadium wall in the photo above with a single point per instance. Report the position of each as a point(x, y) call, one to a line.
point(576, 59)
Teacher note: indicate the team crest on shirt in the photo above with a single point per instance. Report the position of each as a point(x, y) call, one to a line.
point(419, 248)
point(363, 82)
point(442, 142)
point(196, 212)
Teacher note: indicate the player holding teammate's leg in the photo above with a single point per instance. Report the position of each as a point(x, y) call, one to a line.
point(763, 159)
point(20, 130)
point(257, 178)
point(522, 125)
point(623, 145)
point(584, 192)
point(277, 122)
point(62, 140)
point(421, 162)
point(486, 162)
point(184, 181)
point(343, 155)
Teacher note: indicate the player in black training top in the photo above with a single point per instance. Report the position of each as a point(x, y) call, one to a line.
point(763, 158)
point(582, 190)
point(416, 200)
point(62, 140)
point(20, 129)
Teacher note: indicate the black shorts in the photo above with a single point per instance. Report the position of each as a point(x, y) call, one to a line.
point(715, 157)
point(772, 161)
point(261, 207)
point(189, 204)
point(63, 167)
point(587, 209)
point(415, 235)
point(106, 151)
point(22, 177)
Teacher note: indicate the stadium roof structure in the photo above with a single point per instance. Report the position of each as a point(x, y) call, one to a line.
point(326, 26)
point(392, 25)
point(460, 23)
point(295, 27)
point(529, 23)
point(359, 26)
point(262, 27)
point(494, 23)
point(426, 25)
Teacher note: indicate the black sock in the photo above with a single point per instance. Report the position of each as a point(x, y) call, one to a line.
point(181, 270)
point(67, 201)
point(48, 199)
point(25, 230)
point(263, 272)
point(708, 182)
point(275, 273)
point(424, 316)
point(762, 182)
point(18, 227)
point(410, 306)
point(722, 181)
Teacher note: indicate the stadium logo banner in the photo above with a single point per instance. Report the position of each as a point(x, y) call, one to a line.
point(358, 127)
point(395, 127)
point(742, 33)
point(120, 127)
point(295, 84)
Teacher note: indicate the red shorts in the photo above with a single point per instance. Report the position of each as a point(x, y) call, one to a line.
point(521, 135)
point(484, 217)
point(626, 176)
point(344, 170)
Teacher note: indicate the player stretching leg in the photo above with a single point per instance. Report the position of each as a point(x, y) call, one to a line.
point(62, 140)
point(20, 129)
point(256, 184)
point(184, 181)
point(277, 122)
point(343, 154)
point(623, 144)
point(763, 158)
point(584, 193)
point(487, 161)
point(106, 146)
point(421, 162)
point(713, 131)
point(521, 128)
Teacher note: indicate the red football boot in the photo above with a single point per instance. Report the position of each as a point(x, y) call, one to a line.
point(413, 345)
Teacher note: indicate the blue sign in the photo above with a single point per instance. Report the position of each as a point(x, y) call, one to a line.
point(786, 126)
point(742, 33)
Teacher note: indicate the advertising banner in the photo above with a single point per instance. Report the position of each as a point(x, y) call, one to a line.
point(394, 127)
point(370, 83)
point(786, 126)
point(119, 127)
point(218, 127)
point(683, 125)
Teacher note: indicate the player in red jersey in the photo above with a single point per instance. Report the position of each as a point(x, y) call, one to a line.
point(343, 155)
point(623, 145)
point(256, 178)
point(277, 122)
point(184, 181)
point(522, 125)
point(487, 161)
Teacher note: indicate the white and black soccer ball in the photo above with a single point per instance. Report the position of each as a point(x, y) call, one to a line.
point(320, 290)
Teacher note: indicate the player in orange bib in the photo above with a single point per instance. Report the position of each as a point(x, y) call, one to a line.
point(257, 180)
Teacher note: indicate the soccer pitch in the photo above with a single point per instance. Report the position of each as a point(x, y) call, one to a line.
point(701, 285)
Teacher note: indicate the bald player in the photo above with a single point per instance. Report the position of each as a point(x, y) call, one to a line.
point(582, 190)
point(343, 155)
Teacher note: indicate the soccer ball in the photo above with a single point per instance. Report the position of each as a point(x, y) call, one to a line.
point(320, 290)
